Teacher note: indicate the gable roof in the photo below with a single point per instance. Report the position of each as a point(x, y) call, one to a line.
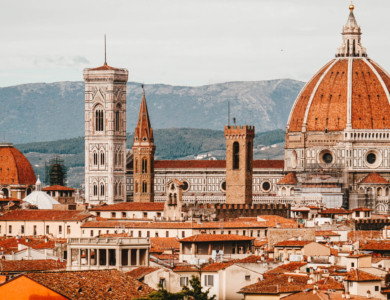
point(374, 178)
point(140, 272)
point(31, 265)
point(358, 275)
point(45, 215)
point(131, 206)
point(215, 267)
point(290, 178)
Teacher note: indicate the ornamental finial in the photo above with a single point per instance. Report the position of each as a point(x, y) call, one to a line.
point(351, 7)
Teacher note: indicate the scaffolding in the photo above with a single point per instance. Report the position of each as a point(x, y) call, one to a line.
point(56, 171)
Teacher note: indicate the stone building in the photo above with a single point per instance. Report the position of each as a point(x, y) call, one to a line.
point(105, 134)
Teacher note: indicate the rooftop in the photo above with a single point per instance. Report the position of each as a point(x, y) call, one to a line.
point(292, 243)
point(31, 265)
point(140, 272)
point(131, 206)
point(198, 238)
point(290, 178)
point(358, 275)
point(57, 188)
point(45, 215)
point(374, 178)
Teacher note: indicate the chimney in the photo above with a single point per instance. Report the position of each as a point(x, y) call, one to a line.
point(347, 295)
point(343, 295)
point(368, 294)
point(290, 279)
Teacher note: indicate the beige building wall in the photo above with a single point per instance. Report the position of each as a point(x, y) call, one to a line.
point(361, 288)
point(315, 249)
point(234, 279)
point(129, 214)
point(172, 280)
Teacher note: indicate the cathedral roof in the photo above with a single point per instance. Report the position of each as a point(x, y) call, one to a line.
point(374, 178)
point(290, 178)
point(143, 131)
point(14, 167)
point(349, 92)
point(105, 67)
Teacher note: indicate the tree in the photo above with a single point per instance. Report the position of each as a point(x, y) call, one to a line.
point(194, 293)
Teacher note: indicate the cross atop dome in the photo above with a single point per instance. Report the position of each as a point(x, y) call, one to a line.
point(351, 46)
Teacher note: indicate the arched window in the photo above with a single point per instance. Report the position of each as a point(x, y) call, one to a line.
point(120, 158)
point(144, 165)
point(95, 190)
point(170, 199)
point(99, 118)
point(249, 155)
point(95, 159)
point(5, 191)
point(116, 158)
point(236, 155)
point(101, 189)
point(120, 189)
point(102, 159)
point(136, 187)
point(136, 165)
point(174, 198)
point(117, 118)
point(144, 187)
point(116, 189)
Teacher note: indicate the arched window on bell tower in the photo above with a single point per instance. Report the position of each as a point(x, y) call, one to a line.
point(102, 189)
point(102, 159)
point(136, 187)
point(118, 117)
point(99, 124)
point(144, 187)
point(236, 156)
point(144, 165)
point(136, 165)
point(95, 159)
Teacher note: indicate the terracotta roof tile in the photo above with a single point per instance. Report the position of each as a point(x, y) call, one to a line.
point(215, 267)
point(290, 178)
point(373, 245)
point(31, 265)
point(57, 188)
point(359, 275)
point(292, 266)
point(165, 243)
point(198, 238)
point(335, 211)
point(322, 295)
point(361, 209)
point(250, 259)
point(374, 178)
point(292, 243)
point(330, 284)
point(140, 272)
point(100, 284)
point(186, 268)
point(105, 67)
point(45, 215)
point(131, 206)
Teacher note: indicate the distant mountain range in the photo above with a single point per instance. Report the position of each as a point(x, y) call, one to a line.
point(53, 111)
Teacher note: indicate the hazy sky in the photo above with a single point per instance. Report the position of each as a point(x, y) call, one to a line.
point(182, 42)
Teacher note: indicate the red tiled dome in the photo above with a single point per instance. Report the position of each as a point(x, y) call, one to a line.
point(14, 167)
point(352, 90)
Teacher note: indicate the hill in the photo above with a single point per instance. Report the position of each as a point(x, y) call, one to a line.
point(54, 111)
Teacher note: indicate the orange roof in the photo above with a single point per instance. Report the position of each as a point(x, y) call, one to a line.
point(140, 272)
point(374, 178)
point(292, 243)
point(215, 267)
point(330, 284)
point(105, 67)
point(374, 245)
point(199, 238)
point(57, 188)
point(250, 259)
point(290, 178)
point(14, 167)
point(358, 255)
point(131, 206)
point(361, 209)
point(164, 243)
point(359, 275)
point(31, 265)
point(326, 233)
point(186, 268)
point(273, 220)
point(213, 164)
point(327, 107)
point(335, 211)
point(45, 215)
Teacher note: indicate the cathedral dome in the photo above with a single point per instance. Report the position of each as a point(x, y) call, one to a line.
point(14, 167)
point(350, 92)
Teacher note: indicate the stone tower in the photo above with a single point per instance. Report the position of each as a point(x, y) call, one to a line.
point(105, 134)
point(239, 164)
point(143, 156)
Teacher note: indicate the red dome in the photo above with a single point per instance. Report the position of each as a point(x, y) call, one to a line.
point(14, 167)
point(347, 92)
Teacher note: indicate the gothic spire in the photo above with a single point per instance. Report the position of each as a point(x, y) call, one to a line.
point(143, 131)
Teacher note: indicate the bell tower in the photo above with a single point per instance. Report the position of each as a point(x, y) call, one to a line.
point(143, 156)
point(239, 164)
point(105, 134)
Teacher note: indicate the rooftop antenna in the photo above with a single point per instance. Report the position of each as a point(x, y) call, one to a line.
point(228, 113)
point(105, 51)
point(234, 121)
point(250, 118)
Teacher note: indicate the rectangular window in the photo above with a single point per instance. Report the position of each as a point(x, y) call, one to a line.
point(247, 277)
point(183, 234)
point(147, 233)
point(163, 282)
point(10, 229)
point(214, 232)
point(258, 233)
point(139, 233)
point(60, 229)
point(98, 214)
point(183, 281)
point(158, 215)
point(265, 232)
point(352, 265)
point(243, 232)
point(351, 283)
point(156, 234)
point(99, 232)
point(123, 215)
point(35, 230)
point(91, 233)
point(167, 234)
point(145, 215)
point(22, 229)
point(113, 215)
point(47, 229)
point(209, 280)
point(229, 232)
point(251, 233)
point(376, 288)
point(236, 232)
point(68, 229)
point(221, 231)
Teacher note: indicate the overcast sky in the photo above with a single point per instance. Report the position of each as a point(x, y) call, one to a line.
point(182, 42)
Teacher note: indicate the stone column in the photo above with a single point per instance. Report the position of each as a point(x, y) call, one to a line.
point(97, 257)
point(69, 257)
point(147, 257)
point(137, 257)
point(88, 257)
point(79, 258)
point(129, 258)
point(107, 258)
point(118, 253)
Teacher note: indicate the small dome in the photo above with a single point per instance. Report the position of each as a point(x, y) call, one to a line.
point(41, 200)
point(347, 92)
point(14, 166)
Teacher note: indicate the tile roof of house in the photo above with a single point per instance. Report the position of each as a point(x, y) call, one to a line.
point(358, 255)
point(290, 178)
point(186, 268)
point(330, 284)
point(292, 243)
point(335, 211)
point(374, 178)
point(167, 256)
point(273, 220)
point(213, 164)
point(57, 188)
point(12, 243)
point(97, 284)
point(250, 259)
point(359, 275)
point(165, 243)
point(361, 209)
point(374, 245)
point(364, 235)
point(292, 266)
point(215, 267)
point(140, 272)
point(260, 243)
point(327, 233)
point(131, 206)
point(45, 215)
point(278, 284)
point(31, 265)
point(313, 207)
point(322, 295)
point(198, 238)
